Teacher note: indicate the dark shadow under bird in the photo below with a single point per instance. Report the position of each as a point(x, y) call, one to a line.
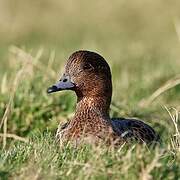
point(89, 76)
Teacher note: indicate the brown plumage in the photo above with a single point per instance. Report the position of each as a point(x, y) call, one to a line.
point(89, 75)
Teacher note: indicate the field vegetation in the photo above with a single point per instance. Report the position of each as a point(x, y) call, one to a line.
point(141, 42)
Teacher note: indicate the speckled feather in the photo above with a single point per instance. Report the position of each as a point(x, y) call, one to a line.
point(92, 76)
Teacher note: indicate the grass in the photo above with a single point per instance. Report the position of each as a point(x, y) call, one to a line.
point(44, 159)
point(140, 41)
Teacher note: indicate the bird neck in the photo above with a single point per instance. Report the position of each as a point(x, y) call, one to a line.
point(93, 107)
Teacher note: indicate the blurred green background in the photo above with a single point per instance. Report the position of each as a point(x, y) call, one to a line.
point(139, 39)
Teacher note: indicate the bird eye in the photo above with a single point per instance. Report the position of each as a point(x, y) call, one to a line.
point(87, 66)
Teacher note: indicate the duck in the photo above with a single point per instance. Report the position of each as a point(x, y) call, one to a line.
point(88, 74)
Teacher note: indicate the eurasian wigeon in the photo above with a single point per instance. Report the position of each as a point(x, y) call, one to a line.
point(89, 76)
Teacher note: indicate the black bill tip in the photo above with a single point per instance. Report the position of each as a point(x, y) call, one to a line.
point(52, 89)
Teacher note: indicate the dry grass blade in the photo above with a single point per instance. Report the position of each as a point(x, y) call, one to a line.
point(14, 87)
point(33, 61)
point(177, 27)
point(146, 171)
point(27, 69)
point(168, 85)
point(175, 141)
point(14, 136)
point(4, 84)
point(8, 108)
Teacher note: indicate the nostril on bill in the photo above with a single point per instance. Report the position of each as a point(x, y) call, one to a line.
point(64, 80)
point(54, 87)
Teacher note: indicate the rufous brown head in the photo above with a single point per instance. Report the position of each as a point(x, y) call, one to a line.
point(87, 73)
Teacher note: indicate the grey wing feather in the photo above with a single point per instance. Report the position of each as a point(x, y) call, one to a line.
point(134, 129)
